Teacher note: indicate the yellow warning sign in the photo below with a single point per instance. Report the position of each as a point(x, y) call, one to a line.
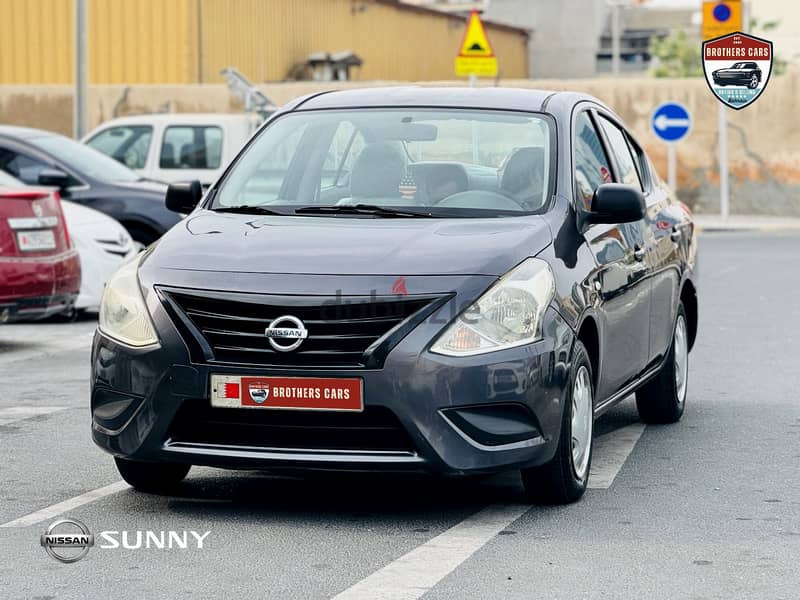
point(476, 56)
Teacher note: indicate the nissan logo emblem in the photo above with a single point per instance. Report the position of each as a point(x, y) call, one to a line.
point(54, 541)
point(293, 331)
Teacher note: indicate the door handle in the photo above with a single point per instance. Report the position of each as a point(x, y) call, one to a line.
point(676, 234)
point(638, 253)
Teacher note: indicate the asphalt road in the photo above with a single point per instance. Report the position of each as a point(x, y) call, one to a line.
point(707, 508)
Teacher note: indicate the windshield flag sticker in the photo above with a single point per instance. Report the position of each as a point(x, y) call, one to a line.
point(737, 67)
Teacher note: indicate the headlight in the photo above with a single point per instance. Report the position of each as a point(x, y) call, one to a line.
point(509, 314)
point(123, 313)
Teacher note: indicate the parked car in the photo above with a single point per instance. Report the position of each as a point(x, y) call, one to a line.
point(362, 320)
point(175, 147)
point(86, 177)
point(103, 245)
point(740, 73)
point(40, 273)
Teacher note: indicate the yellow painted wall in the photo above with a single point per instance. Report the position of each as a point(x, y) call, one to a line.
point(263, 39)
point(186, 41)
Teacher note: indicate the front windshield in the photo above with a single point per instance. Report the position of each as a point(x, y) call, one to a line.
point(85, 160)
point(447, 162)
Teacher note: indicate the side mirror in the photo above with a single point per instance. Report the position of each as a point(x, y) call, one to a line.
point(616, 203)
point(54, 178)
point(183, 197)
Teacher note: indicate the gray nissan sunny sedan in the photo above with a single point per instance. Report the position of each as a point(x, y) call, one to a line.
point(455, 281)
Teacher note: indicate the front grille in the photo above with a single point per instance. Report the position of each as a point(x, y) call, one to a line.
point(354, 332)
point(375, 429)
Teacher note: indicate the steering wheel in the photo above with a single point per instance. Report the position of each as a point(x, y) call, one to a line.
point(485, 199)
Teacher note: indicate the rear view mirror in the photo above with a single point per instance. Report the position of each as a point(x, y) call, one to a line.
point(183, 197)
point(54, 178)
point(616, 203)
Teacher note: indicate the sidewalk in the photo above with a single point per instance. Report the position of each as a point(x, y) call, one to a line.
point(746, 223)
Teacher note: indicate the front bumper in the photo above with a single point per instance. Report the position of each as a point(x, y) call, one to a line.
point(460, 415)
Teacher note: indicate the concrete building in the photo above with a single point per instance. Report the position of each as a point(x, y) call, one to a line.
point(565, 34)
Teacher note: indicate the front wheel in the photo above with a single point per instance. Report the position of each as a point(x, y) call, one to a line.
point(151, 477)
point(663, 398)
point(753, 84)
point(564, 478)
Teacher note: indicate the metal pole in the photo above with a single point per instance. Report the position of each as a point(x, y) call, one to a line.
point(723, 162)
point(615, 38)
point(473, 82)
point(671, 178)
point(79, 115)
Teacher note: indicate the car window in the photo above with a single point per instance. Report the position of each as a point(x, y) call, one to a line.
point(591, 165)
point(457, 162)
point(641, 163)
point(621, 151)
point(84, 160)
point(191, 147)
point(23, 167)
point(127, 144)
point(347, 143)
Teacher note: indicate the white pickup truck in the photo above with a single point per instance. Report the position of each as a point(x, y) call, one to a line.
point(177, 146)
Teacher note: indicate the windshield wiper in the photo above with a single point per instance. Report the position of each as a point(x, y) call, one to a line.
point(361, 209)
point(247, 209)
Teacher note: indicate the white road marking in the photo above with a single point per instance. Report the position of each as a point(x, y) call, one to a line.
point(62, 507)
point(414, 574)
point(18, 413)
point(610, 453)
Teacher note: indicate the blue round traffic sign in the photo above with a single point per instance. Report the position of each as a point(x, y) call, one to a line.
point(671, 121)
point(721, 12)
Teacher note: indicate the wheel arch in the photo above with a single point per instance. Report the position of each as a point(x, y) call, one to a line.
point(689, 300)
point(589, 335)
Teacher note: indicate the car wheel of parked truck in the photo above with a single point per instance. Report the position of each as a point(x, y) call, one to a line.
point(663, 398)
point(563, 479)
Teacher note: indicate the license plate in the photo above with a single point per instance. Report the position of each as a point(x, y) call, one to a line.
point(289, 393)
point(31, 241)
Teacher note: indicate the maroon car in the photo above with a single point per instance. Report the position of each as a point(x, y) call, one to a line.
point(40, 272)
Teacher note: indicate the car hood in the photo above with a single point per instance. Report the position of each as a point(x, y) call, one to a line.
point(207, 241)
point(144, 188)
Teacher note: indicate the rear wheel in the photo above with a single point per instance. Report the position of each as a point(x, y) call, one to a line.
point(151, 477)
point(753, 84)
point(564, 478)
point(662, 399)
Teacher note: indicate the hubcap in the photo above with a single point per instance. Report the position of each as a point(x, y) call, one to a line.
point(681, 359)
point(753, 81)
point(582, 420)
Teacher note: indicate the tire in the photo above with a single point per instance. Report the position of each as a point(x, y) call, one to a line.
point(753, 83)
point(663, 398)
point(560, 481)
point(151, 477)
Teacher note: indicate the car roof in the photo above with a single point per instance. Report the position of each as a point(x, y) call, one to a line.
point(180, 118)
point(502, 98)
point(24, 133)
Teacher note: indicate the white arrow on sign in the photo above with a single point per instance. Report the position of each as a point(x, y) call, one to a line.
point(663, 122)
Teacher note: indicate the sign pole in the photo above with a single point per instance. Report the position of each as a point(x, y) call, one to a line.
point(723, 162)
point(81, 72)
point(671, 178)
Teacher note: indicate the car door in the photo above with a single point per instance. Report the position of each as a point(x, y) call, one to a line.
point(620, 250)
point(665, 221)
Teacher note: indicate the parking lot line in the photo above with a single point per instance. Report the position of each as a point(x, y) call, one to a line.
point(610, 453)
point(62, 507)
point(415, 573)
point(18, 413)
